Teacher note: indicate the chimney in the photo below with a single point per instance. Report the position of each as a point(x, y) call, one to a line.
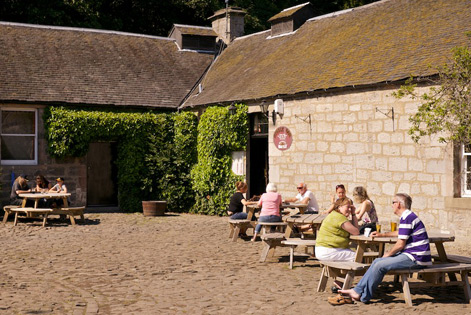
point(228, 23)
point(291, 19)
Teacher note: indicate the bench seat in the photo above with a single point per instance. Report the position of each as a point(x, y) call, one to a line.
point(8, 211)
point(71, 212)
point(270, 242)
point(235, 226)
point(343, 271)
point(295, 242)
point(29, 211)
point(435, 276)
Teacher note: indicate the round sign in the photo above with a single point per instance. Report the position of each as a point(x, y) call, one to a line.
point(282, 138)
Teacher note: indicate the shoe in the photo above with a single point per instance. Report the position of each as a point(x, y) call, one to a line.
point(334, 289)
point(339, 300)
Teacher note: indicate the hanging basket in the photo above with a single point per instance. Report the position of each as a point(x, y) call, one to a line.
point(153, 208)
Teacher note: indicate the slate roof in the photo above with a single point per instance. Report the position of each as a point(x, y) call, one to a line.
point(43, 64)
point(288, 12)
point(194, 30)
point(380, 42)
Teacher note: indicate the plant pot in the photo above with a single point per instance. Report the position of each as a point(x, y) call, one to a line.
point(153, 208)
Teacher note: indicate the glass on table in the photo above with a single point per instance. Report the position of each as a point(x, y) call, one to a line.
point(378, 227)
point(393, 226)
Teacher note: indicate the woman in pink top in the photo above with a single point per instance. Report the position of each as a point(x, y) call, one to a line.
point(270, 203)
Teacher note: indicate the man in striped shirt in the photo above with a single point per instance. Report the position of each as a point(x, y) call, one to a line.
point(412, 250)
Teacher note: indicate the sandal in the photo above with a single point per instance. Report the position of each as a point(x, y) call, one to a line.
point(340, 300)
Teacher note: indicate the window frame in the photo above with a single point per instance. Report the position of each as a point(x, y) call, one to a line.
point(35, 135)
point(464, 166)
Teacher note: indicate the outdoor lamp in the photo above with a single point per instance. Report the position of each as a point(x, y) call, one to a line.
point(264, 107)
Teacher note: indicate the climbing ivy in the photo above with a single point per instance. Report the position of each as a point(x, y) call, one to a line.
point(138, 134)
point(219, 133)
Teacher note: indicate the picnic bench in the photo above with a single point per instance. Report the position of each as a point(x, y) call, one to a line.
point(30, 211)
point(435, 276)
point(70, 212)
point(270, 242)
point(292, 243)
point(7, 212)
point(343, 271)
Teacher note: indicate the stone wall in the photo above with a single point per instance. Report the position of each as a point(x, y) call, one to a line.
point(352, 141)
point(74, 170)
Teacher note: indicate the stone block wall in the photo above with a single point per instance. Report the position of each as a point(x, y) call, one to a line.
point(352, 140)
point(74, 170)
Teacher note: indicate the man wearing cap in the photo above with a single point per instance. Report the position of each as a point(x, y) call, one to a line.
point(307, 197)
point(20, 186)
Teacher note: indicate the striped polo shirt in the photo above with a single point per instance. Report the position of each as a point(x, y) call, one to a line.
point(413, 230)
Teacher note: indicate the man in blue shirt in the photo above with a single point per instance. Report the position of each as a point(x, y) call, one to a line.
point(412, 250)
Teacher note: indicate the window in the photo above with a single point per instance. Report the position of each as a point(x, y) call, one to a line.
point(19, 136)
point(466, 170)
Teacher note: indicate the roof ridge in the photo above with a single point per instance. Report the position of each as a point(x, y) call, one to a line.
point(296, 6)
point(336, 13)
point(195, 26)
point(79, 29)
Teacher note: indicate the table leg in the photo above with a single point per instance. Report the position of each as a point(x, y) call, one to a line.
point(360, 251)
point(289, 230)
point(65, 202)
point(23, 204)
point(444, 258)
point(250, 214)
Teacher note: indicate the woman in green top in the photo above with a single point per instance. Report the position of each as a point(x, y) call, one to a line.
point(334, 235)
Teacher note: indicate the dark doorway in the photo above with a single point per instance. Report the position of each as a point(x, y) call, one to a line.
point(102, 175)
point(257, 155)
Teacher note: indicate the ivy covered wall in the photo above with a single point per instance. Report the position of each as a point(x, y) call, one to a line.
point(161, 156)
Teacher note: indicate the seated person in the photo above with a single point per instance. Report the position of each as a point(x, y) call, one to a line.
point(20, 186)
point(58, 188)
point(366, 212)
point(42, 184)
point(306, 197)
point(333, 237)
point(237, 203)
point(270, 203)
point(340, 192)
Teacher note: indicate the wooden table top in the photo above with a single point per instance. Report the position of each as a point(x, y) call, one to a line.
point(283, 206)
point(434, 237)
point(314, 218)
point(44, 195)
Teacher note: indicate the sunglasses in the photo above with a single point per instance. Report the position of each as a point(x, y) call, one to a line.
point(395, 202)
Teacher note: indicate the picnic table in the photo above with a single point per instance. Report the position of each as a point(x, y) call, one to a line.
point(49, 195)
point(314, 219)
point(255, 207)
point(364, 241)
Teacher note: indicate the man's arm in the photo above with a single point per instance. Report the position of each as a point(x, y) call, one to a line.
point(291, 199)
point(400, 244)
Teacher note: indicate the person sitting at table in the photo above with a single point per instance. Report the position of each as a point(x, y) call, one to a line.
point(333, 237)
point(412, 250)
point(340, 192)
point(58, 188)
point(237, 203)
point(42, 184)
point(306, 197)
point(366, 210)
point(270, 203)
point(20, 186)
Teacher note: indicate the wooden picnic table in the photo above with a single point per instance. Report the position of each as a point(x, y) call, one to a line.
point(363, 241)
point(254, 207)
point(49, 195)
point(314, 219)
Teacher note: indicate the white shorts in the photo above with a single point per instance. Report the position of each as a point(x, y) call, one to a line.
point(327, 253)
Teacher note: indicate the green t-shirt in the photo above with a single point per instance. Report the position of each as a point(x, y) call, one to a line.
point(331, 233)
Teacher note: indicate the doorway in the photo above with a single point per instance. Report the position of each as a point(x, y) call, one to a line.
point(257, 155)
point(102, 179)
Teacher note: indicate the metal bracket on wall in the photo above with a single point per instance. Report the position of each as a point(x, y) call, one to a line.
point(307, 120)
point(389, 114)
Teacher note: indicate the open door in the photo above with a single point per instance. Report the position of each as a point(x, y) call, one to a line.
point(102, 175)
point(257, 155)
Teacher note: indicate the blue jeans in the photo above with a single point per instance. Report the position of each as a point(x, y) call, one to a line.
point(266, 218)
point(375, 274)
point(239, 216)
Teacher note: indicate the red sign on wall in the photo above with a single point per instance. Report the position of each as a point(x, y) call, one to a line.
point(282, 138)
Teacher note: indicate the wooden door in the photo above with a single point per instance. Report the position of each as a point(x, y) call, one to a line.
point(102, 175)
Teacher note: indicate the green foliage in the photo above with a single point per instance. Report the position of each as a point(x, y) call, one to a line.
point(170, 159)
point(445, 110)
point(219, 133)
point(139, 136)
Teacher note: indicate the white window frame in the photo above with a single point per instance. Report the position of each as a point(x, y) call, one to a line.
point(464, 171)
point(22, 162)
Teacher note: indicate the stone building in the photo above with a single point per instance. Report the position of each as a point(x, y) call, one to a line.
point(332, 80)
point(44, 66)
